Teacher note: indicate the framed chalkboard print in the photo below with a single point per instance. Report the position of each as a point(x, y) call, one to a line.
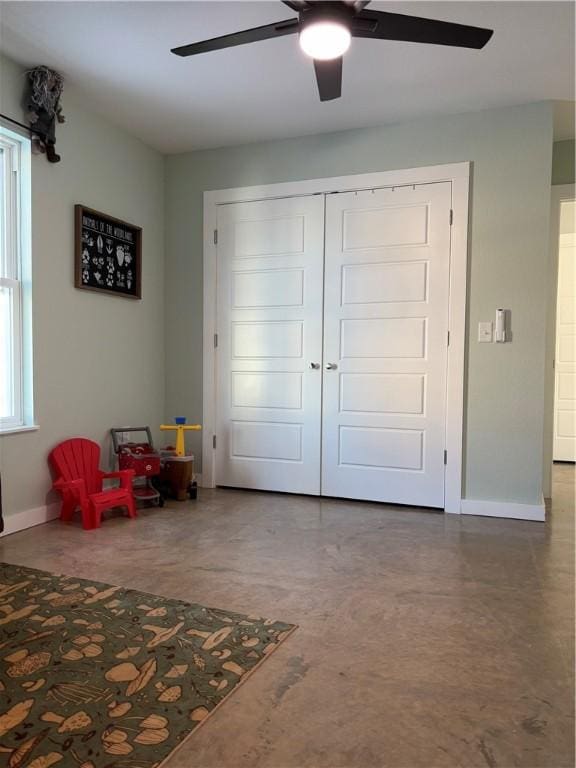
point(108, 254)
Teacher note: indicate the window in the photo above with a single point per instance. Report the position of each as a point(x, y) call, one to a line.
point(15, 282)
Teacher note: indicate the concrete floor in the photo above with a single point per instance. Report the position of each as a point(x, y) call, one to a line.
point(425, 640)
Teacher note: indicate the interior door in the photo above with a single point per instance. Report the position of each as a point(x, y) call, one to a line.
point(565, 368)
point(270, 262)
point(387, 266)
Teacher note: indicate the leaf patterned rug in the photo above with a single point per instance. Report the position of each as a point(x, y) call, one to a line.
point(97, 676)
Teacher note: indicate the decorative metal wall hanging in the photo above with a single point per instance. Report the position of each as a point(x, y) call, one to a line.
point(44, 89)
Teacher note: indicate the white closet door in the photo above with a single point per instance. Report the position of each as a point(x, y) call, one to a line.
point(565, 367)
point(270, 260)
point(385, 344)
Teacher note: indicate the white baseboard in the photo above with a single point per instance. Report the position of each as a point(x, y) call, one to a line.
point(535, 512)
point(29, 518)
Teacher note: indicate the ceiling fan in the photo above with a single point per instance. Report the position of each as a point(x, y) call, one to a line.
point(327, 28)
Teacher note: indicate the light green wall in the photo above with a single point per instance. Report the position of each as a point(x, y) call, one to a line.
point(98, 360)
point(511, 152)
point(563, 162)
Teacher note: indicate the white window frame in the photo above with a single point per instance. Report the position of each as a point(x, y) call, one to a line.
point(15, 274)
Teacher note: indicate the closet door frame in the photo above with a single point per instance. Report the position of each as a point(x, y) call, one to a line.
point(458, 174)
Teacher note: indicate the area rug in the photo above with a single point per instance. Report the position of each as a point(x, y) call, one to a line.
point(97, 676)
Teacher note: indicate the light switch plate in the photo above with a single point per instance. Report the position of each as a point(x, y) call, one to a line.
point(485, 332)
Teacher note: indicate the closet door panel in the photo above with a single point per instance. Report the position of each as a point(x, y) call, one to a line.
point(387, 260)
point(270, 272)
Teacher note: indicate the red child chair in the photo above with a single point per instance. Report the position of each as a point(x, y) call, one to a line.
point(80, 482)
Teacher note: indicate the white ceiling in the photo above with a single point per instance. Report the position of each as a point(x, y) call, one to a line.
point(116, 57)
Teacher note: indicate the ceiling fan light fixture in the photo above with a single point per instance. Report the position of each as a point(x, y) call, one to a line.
point(325, 40)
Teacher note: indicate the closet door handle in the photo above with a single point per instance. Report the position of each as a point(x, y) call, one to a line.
point(331, 366)
point(314, 366)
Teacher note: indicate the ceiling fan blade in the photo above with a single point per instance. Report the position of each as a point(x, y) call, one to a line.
point(296, 5)
point(329, 78)
point(280, 28)
point(381, 25)
point(303, 5)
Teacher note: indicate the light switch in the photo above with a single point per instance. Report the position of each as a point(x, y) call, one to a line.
point(485, 332)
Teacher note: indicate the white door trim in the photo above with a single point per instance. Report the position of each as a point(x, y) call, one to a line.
point(459, 175)
point(560, 192)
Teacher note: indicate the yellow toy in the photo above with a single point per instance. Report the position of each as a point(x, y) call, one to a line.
point(180, 428)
